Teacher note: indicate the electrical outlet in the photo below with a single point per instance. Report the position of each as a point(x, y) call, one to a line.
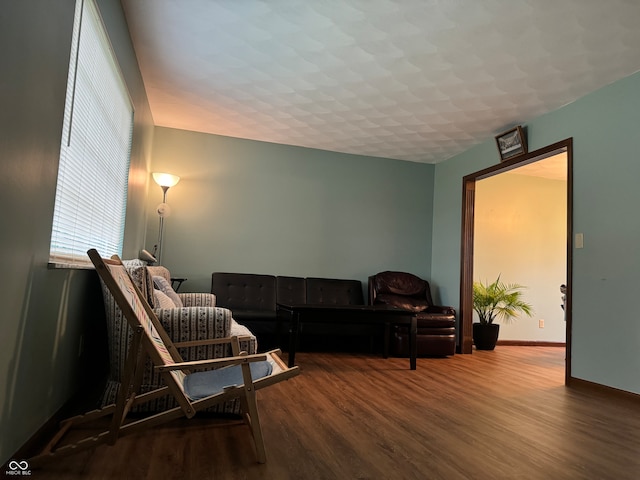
point(541, 323)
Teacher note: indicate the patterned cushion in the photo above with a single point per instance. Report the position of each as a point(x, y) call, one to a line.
point(141, 278)
point(160, 271)
point(162, 300)
point(165, 287)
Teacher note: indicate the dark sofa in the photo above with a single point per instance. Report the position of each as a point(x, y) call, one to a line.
point(252, 298)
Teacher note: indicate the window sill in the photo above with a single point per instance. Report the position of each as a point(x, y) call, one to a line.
point(69, 266)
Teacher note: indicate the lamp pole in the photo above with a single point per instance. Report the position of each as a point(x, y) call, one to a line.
point(161, 214)
point(166, 181)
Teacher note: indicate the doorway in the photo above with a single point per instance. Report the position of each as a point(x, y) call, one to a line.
point(563, 148)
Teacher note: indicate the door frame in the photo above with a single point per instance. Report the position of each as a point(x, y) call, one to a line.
point(465, 340)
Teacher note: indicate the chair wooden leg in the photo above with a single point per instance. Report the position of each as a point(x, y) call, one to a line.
point(128, 388)
point(235, 346)
point(251, 416)
point(51, 450)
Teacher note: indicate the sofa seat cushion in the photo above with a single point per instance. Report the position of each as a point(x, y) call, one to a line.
point(402, 301)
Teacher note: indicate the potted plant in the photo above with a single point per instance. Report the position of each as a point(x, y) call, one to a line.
point(495, 301)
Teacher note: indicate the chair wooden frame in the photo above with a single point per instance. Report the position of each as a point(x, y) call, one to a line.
point(149, 337)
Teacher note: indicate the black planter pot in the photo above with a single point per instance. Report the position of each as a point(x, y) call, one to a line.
point(485, 336)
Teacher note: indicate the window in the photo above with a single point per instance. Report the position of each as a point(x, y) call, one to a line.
point(91, 194)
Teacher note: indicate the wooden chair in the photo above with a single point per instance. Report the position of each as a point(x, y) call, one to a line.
point(239, 376)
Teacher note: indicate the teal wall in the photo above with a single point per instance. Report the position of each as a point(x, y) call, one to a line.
point(248, 206)
point(45, 312)
point(606, 166)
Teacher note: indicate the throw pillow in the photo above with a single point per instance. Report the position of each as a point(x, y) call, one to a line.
point(162, 300)
point(165, 287)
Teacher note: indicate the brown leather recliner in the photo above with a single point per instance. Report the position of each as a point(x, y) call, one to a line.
point(436, 324)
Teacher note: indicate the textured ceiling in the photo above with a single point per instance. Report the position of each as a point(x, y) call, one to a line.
point(418, 80)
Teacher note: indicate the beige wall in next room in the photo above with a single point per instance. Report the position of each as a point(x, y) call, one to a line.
point(520, 234)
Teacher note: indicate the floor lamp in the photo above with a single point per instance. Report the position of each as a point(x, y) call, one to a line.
point(166, 181)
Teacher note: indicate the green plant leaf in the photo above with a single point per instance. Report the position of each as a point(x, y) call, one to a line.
point(499, 301)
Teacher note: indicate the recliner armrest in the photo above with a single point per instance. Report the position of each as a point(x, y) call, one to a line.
point(445, 310)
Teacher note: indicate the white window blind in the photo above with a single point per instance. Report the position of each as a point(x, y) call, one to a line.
point(91, 193)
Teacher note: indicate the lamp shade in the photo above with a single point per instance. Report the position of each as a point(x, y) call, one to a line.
point(165, 179)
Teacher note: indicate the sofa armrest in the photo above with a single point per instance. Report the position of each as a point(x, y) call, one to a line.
point(248, 341)
point(198, 299)
point(197, 323)
point(204, 323)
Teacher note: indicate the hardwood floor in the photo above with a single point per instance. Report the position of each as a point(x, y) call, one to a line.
point(355, 416)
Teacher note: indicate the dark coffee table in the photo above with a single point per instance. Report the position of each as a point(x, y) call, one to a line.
point(348, 314)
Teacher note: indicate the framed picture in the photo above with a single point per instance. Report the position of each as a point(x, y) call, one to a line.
point(511, 143)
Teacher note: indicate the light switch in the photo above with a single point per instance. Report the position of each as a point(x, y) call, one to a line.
point(579, 240)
